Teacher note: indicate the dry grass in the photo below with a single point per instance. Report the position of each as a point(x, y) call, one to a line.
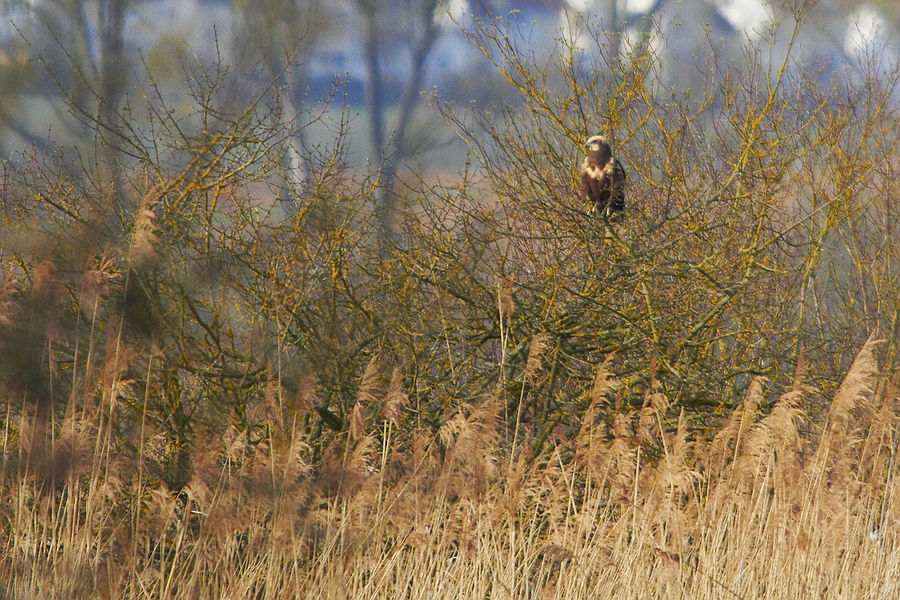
point(774, 506)
point(205, 395)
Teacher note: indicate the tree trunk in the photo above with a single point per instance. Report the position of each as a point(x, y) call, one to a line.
point(390, 153)
point(112, 90)
point(396, 152)
point(293, 164)
point(374, 84)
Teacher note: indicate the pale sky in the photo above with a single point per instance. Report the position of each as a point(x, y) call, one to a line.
point(745, 15)
point(864, 27)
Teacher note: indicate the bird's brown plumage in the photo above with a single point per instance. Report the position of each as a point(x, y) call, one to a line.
point(603, 178)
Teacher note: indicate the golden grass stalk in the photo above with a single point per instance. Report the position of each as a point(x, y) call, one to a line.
point(368, 386)
point(505, 307)
point(535, 355)
point(591, 450)
point(396, 399)
point(482, 528)
point(144, 241)
point(856, 390)
point(532, 365)
point(357, 421)
point(626, 517)
point(604, 383)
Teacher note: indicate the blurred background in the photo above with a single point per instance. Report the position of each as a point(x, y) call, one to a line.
point(383, 61)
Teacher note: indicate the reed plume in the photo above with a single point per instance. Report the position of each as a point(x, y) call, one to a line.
point(535, 355)
point(144, 241)
point(591, 443)
point(854, 395)
point(396, 399)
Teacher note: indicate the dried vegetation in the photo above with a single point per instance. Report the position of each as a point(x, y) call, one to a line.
point(209, 396)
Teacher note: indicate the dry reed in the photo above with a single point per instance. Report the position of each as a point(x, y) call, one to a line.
point(661, 514)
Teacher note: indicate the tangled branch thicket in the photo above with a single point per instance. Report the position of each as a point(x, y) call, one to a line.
point(208, 395)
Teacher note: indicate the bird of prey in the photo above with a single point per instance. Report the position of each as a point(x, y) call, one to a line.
point(603, 178)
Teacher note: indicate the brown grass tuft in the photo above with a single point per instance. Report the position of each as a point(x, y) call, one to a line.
point(396, 399)
point(368, 385)
point(94, 285)
point(471, 440)
point(604, 383)
point(505, 301)
point(787, 442)
point(357, 421)
point(855, 392)
point(271, 403)
point(535, 355)
point(144, 241)
point(46, 286)
point(305, 399)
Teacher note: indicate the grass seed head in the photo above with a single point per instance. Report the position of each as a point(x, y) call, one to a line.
point(396, 399)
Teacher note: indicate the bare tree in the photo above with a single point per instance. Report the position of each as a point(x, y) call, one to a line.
point(390, 147)
point(82, 46)
point(113, 80)
point(282, 35)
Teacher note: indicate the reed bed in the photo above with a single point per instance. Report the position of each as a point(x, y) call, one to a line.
point(774, 504)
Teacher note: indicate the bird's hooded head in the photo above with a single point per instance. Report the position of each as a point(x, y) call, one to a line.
point(596, 142)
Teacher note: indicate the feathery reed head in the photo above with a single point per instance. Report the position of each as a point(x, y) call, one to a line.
point(604, 381)
point(535, 355)
point(856, 390)
point(505, 300)
point(143, 252)
point(368, 385)
point(396, 399)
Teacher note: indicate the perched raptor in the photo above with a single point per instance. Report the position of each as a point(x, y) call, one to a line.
point(603, 178)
